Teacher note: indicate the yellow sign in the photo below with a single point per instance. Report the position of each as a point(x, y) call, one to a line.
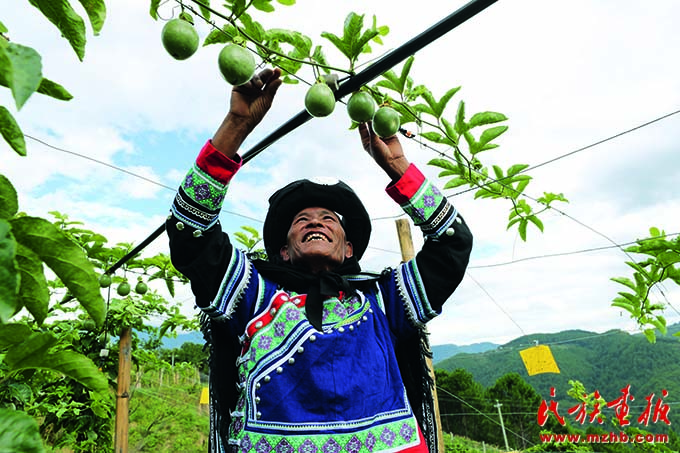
point(539, 359)
point(205, 396)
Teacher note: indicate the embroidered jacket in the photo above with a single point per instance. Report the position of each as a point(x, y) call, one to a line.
point(299, 389)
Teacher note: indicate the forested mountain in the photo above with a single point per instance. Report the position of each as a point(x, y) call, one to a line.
point(444, 351)
point(606, 362)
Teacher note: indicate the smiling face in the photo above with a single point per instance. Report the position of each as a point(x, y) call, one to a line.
point(316, 241)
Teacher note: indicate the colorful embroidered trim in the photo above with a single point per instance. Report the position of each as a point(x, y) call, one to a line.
point(235, 281)
point(203, 189)
point(413, 294)
point(392, 436)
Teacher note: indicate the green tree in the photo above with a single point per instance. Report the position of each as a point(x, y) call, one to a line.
point(519, 405)
point(461, 400)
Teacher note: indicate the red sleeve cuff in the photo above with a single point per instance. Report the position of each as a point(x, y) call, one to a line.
point(216, 164)
point(406, 187)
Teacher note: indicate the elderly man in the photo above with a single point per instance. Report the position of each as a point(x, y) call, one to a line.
point(309, 354)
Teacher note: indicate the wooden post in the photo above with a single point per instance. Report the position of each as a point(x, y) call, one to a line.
point(123, 393)
point(408, 253)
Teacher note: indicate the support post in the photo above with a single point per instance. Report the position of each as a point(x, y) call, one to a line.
point(123, 392)
point(500, 415)
point(408, 253)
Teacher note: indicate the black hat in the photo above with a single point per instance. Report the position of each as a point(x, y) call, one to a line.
point(285, 203)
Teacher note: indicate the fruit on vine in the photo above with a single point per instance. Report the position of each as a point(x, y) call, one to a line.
point(361, 107)
point(386, 122)
point(104, 281)
point(179, 38)
point(320, 100)
point(141, 287)
point(236, 63)
point(123, 289)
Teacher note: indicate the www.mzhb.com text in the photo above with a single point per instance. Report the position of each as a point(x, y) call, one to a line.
point(611, 438)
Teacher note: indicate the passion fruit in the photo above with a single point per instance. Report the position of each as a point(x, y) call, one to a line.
point(236, 63)
point(179, 38)
point(141, 287)
point(104, 281)
point(386, 122)
point(361, 107)
point(320, 100)
point(123, 289)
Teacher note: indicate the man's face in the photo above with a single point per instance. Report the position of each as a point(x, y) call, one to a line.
point(316, 241)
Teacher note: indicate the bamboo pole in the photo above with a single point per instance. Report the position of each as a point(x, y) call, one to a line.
point(123, 393)
point(408, 253)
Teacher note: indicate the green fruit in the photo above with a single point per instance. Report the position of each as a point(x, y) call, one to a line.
point(179, 38)
point(361, 107)
point(386, 122)
point(236, 63)
point(141, 288)
point(105, 281)
point(320, 100)
point(123, 289)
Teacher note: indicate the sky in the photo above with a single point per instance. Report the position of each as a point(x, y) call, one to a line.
point(566, 75)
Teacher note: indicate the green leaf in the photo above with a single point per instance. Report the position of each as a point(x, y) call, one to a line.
point(69, 23)
point(96, 12)
point(403, 78)
point(253, 28)
point(441, 105)
point(498, 171)
point(9, 274)
point(34, 293)
point(353, 41)
point(491, 134)
point(54, 90)
point(523, 229)
point(205, 12)
point(20, 70)
point(19, 433)
point(263, 5)
point(621, 303)
point(660, 323)
point(512, 222)
point(472, 143)
point(523, 183)
point(536, 221)
point(11, 132)
point(455, 182)
point(223, 36)
point(517, 168)
point(631, 298)
point(153, 8)
point(443, 163)
point(252, 231)
point(483, 118)
point(651, 336)
point(36, 353)
point(65, 258)
point(286, 2)
point(460, 125)
point(624, 281)
point(549, 197)
point(3, 29)
point(14, 333)
point(9, 202)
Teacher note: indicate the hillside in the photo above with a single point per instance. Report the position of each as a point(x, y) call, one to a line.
point(445, 351)
point(606, 362)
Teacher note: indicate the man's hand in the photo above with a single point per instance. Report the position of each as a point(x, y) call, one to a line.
point(249, 104)
point(387, 152)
